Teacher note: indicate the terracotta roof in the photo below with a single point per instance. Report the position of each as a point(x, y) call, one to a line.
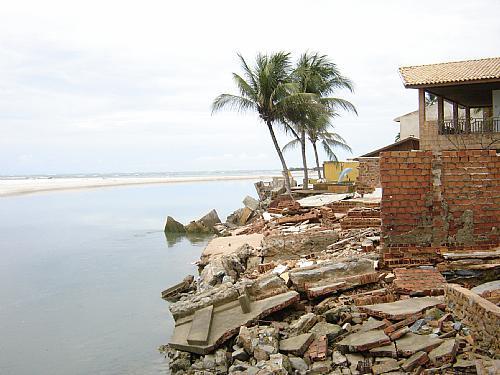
point(459, 71)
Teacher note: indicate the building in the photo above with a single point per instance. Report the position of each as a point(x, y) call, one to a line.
point(408, 123)
point(471, 89)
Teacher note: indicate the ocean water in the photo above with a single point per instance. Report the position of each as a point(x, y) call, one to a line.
point(81, 274)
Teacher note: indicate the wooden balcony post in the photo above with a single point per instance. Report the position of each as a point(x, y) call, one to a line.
point(455, 116)
point(440, 119)
point(467, 120)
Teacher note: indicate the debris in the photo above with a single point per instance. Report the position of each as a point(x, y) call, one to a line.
point(401, 309)
point(173, 226)
point(417, 281)
point(362, 341)
point(417, 359)
point(172, 294)
point(226, 321)
point(297, 344)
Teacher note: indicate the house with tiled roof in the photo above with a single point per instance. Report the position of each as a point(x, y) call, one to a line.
point(470, 91)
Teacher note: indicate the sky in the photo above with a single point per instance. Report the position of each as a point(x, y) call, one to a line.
point(127, 86)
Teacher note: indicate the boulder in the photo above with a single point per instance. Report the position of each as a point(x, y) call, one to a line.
point(173, 226)
point(197, 227)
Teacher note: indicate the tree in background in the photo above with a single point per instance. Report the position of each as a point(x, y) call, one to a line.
point(267, 88)
point(316, 74)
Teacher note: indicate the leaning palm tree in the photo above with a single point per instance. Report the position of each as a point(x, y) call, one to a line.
point(268, 90)
point(316, 74)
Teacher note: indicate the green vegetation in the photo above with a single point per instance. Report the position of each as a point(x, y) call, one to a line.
point(294, 98)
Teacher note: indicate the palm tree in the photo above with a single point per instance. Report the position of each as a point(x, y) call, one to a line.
point(316, 75)
point(268, 90)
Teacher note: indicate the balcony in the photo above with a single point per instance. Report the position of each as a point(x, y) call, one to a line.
point(470, 126)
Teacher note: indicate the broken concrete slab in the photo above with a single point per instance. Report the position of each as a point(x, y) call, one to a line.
point(331, 271)
point(173, 226)
point(210, 219)
point(227, 245)
point(385, 367)
point(321, 200)
point(401, 309)
point(297, 344)
point(200, 326)
point(304, 323)
point(171, 293)
point(362, 341)
point(417, 359)
point(227, 320)
point(372, 324)
point(331, 331)
point(407, 346)
point(251, 203)
point(444, 353)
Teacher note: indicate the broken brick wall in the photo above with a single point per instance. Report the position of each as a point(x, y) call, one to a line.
point(479, 314)
point(433, 201)
point(369, 175)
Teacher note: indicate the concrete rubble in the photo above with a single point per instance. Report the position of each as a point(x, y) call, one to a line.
point(293, 286)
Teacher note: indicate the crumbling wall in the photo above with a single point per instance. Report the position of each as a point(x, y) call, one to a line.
point(369, 175)
point(479, 314)
point(433, 201)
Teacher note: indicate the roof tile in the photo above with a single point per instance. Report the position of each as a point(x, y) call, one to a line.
point(459, 71)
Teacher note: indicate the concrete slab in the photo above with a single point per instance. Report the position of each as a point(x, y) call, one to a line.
point(331, 331)
point(321, 199)
point(200, 327)
point(227, 245)
point(297, 344)
point(402, 309)
point(372, 324)
point(444, 353)
point(227, 320)
point(407, 346)
point(362, 341)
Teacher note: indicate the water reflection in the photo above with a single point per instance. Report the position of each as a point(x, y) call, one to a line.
point(195, 239)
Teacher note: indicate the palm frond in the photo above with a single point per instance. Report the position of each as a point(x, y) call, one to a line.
point(294, 143)
point(232, 102)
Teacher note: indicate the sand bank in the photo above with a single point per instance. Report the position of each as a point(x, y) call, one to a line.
point(13, 187)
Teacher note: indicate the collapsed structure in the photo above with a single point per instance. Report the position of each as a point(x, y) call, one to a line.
point(401, 277)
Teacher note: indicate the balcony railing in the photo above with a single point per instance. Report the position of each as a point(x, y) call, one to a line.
point(473, 126)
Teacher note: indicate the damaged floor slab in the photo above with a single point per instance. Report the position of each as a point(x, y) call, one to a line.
point(402, 309)
point(226, 321)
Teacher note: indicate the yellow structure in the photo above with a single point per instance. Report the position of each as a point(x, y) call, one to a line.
point(332, 170)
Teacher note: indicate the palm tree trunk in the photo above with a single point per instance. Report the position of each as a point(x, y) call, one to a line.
point(317, 159)
point(282, 159)
point(305, 184)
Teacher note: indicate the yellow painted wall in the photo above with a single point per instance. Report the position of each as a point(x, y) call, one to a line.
point(332, 170)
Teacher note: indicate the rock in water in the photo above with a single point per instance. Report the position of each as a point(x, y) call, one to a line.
point(210, 219)
point(173, 226)
point(197, 227)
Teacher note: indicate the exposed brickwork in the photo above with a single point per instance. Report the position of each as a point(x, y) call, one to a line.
point(438, 201)
point(369, 175)
point(344, 206)
point(430, 140)
point(361, 218)
point(415, 281)
point(482, 316)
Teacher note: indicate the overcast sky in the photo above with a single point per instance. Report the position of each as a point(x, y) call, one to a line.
point(125, 86)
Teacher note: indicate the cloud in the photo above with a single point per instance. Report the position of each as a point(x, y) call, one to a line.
point(93, 86)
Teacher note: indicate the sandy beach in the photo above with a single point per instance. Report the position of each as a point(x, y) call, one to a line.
point(12, 187)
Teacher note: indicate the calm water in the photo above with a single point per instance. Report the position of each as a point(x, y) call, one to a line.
point(81, 275)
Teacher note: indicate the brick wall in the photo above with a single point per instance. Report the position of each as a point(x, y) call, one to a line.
point(480, 315)
point(430, 140)
point(435, 201)
point(369, 175)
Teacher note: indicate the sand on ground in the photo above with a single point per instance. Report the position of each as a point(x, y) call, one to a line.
point(11, 187)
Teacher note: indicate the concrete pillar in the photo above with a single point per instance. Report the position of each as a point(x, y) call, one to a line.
point(421, 110)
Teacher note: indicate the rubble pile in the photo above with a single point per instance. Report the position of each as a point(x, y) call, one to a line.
point(296, 288)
